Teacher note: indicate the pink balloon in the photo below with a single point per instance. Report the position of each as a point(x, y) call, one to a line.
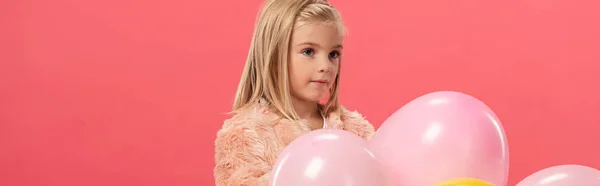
point(327, 157)
point(440, 136)
point(563, 175)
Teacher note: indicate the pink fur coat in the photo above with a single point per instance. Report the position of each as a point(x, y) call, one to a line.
point(248, 144)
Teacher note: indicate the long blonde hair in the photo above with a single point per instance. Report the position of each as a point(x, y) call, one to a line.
point(265, 74)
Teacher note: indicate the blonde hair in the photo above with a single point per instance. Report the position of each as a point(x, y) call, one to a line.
point(265, 74)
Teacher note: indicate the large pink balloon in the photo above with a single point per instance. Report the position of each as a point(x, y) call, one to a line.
point(563, 175)
point(442, 135)
point(327, 157)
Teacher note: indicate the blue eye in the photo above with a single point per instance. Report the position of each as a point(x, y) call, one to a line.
point(334, 55)
point(308, 52)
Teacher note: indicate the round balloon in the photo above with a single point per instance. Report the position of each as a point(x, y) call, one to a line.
point(440, 136)
point(327, 157)
point(563, 175)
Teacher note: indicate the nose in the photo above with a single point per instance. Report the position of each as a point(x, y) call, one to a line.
point(325, 66)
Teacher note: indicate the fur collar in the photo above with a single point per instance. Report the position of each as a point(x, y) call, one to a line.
point(263, 114)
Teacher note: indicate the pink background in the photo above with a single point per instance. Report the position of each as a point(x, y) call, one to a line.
point(131, 92)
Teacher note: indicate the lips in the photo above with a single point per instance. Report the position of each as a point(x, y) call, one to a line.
point(320, 82)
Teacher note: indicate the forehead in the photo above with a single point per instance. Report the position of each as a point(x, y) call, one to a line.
point(322, 33)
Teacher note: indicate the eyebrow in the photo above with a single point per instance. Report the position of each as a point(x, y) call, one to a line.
point(314, 44)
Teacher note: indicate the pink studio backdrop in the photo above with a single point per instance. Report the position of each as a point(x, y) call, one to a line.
point(131, 92)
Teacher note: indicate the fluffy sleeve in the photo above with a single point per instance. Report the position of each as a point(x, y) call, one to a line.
point(240, 157)
point(356, 123)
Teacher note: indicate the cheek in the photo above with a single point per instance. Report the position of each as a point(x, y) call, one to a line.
point(296, 73)
point(300, 68)
point(336, 68)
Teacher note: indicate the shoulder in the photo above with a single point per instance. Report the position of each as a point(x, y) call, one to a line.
point(242, 147)
point(354, 121)
point(246, 129)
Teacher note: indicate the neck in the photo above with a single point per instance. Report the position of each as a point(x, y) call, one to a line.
point(306, 109)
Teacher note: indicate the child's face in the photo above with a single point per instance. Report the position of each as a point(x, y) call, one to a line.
point(315, 51)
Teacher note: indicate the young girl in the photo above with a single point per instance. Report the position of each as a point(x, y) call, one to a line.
point(293, 64)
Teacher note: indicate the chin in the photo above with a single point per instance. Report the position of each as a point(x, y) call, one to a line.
point(314, 98)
